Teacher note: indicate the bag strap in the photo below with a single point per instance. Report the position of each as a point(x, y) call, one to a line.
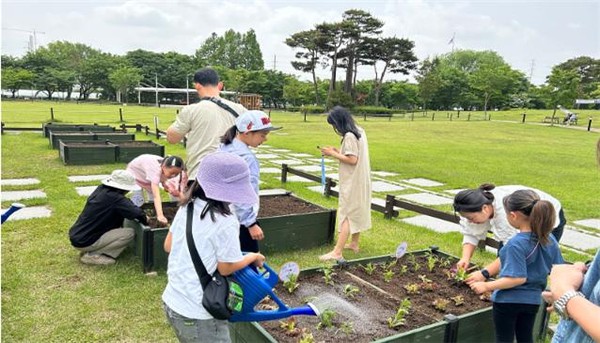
point(198, 265)
point(222, 105)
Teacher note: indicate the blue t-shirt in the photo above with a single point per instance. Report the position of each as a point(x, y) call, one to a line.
point(568, 330)
point(523, 257)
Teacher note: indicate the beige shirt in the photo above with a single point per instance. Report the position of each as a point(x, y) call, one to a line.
point(355, 184)
point(204, 123)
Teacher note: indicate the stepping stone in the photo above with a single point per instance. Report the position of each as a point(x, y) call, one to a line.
point(426, 199)
point(84, 178)
point(380, 186)
point(85, 191)
point(20, 195)
point(579, 240)
point(266, 156)
point(299, 155)
point(19, 182)
point(288, 162)
point(281, 150)
point(423, 182)
point(383, 173)
point(270, 170)
point(319, 189)
point(435, 224)
point(454, 191)
point(311, 168)
point(594, 223)
point(30, 213)
point(333, 176)
point(296, 178)
point(273, 191)
point(381, 202)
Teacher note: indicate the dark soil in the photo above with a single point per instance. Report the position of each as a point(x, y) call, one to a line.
point(270, 206)
point(369, 310)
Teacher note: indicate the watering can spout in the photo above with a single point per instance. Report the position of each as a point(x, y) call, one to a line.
point(256, 286)
point(13, 208)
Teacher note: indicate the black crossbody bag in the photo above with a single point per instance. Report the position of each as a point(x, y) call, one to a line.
point(221, 104)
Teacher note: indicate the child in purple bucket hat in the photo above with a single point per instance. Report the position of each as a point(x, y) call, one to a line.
point(222, 178)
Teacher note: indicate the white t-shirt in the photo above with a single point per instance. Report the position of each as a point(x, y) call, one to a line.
point(215, 241)
point(503, 231)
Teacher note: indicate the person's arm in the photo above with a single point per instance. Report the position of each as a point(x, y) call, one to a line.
point(128, 210)
point(158, 204)
point(173, 136)
point(227, 268)
point(335, 153)
point(180, 127)
point(168, 241)
point(492, 268)
point(586, 314)
point(472, 234)
point(502, 283)
point(467, 252)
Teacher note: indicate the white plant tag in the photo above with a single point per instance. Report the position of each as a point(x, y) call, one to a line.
point(401, 249)
point(137, 198)
point(288, 269)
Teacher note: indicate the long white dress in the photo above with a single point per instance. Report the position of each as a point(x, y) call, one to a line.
point(355, 184)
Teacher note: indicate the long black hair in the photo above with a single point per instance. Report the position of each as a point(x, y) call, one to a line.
point(342, 121)
point(212, 206)
point(229, 135)
point(541, 213)
point(472, 200)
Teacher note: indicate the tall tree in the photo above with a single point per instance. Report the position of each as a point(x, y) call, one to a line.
point(123, 80)
point(429, 80)
point(233, 50)
point(14, 79)
point(333, 38)
point(588, 69)
point(309, 57)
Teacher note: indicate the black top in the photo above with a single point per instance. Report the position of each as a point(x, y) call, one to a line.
point(104, 210)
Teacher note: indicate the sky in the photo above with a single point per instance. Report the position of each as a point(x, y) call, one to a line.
point(531, 35)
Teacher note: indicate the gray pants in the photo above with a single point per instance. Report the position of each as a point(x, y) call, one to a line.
point(190, 330)
point(111, 243)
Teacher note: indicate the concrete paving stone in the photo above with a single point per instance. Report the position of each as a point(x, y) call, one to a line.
point(333, 176)
point(381, 202)
point(270, 170)
point(20, 195)
point(85, 191)
point(383, 173)
point(83, 178)
point(319, 189)
point(19, 182)
point(423, 182)
point(579, 240)
point(288, 162)
point(426, 199)
point(266, 156)
point(281, 150)
point(30, 213)
point(312, 168)
point(594, 223)
point(381, 186)
point(454, 191)
point(300, 155)
point(296, 178)
point(273, 191)
point(435, 224)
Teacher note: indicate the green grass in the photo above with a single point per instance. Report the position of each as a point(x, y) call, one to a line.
point(48, 296)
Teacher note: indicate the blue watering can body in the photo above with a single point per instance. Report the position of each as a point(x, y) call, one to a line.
point(256, 286)
point(13, 208)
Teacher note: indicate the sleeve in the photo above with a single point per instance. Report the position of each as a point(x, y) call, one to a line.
point(227, 242)
point(350, 145)
point(128, 210)
point(182, 122)
point(248, 214)
point(500, 225)
point(473, 233)
point(514, 263)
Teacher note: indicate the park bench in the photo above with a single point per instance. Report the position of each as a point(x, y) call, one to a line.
point(549, 119)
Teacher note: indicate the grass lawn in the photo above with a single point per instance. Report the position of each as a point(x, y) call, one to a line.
point(47, 295)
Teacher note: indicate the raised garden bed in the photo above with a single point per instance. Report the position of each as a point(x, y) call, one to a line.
point(56, 137)
point(89, 152)
point(365, 307)
point(47, 127)
point(128, 150)
point(289, 223)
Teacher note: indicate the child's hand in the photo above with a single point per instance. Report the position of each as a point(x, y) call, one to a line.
point(475, 277)
point(479, 287)
point(260, 259)
point(328, 151)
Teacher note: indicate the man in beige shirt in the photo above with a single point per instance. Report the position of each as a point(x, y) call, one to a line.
point(203, 122)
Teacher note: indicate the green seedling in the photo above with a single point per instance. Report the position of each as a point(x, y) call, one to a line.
point(429, 286)
point(431, 262)
point(328, 275)
point(412, 288)
point(326, 319)
point(390, 265)
point(441, 304)
point(416, 267)
point(445, 263)
point(398, 319)
point(403, 269)
point(307, 337)
point(289, 326)
point(346, 327)
point(292, 283)
point(369, 268)
point(424, 278)
point(388, 275)
point(458, 300)
point(351, 291)
point(460, 275)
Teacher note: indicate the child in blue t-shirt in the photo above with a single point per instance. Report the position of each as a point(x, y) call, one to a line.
point(525, 262)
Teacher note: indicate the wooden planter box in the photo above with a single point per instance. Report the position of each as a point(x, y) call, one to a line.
point(128, 150)
point(88, 152)
point(113, 136)
point(68, 136)
point(288, 232)
point(475, 326)
point(47, 127)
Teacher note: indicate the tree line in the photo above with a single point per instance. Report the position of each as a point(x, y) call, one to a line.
point(463, 79)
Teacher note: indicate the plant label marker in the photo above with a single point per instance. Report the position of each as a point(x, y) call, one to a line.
point(401, 249)
point(287, 270)
point(137, 198)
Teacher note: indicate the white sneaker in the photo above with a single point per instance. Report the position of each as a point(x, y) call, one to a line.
point(96, 259)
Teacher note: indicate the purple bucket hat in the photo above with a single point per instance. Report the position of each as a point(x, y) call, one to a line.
point(225, 177)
